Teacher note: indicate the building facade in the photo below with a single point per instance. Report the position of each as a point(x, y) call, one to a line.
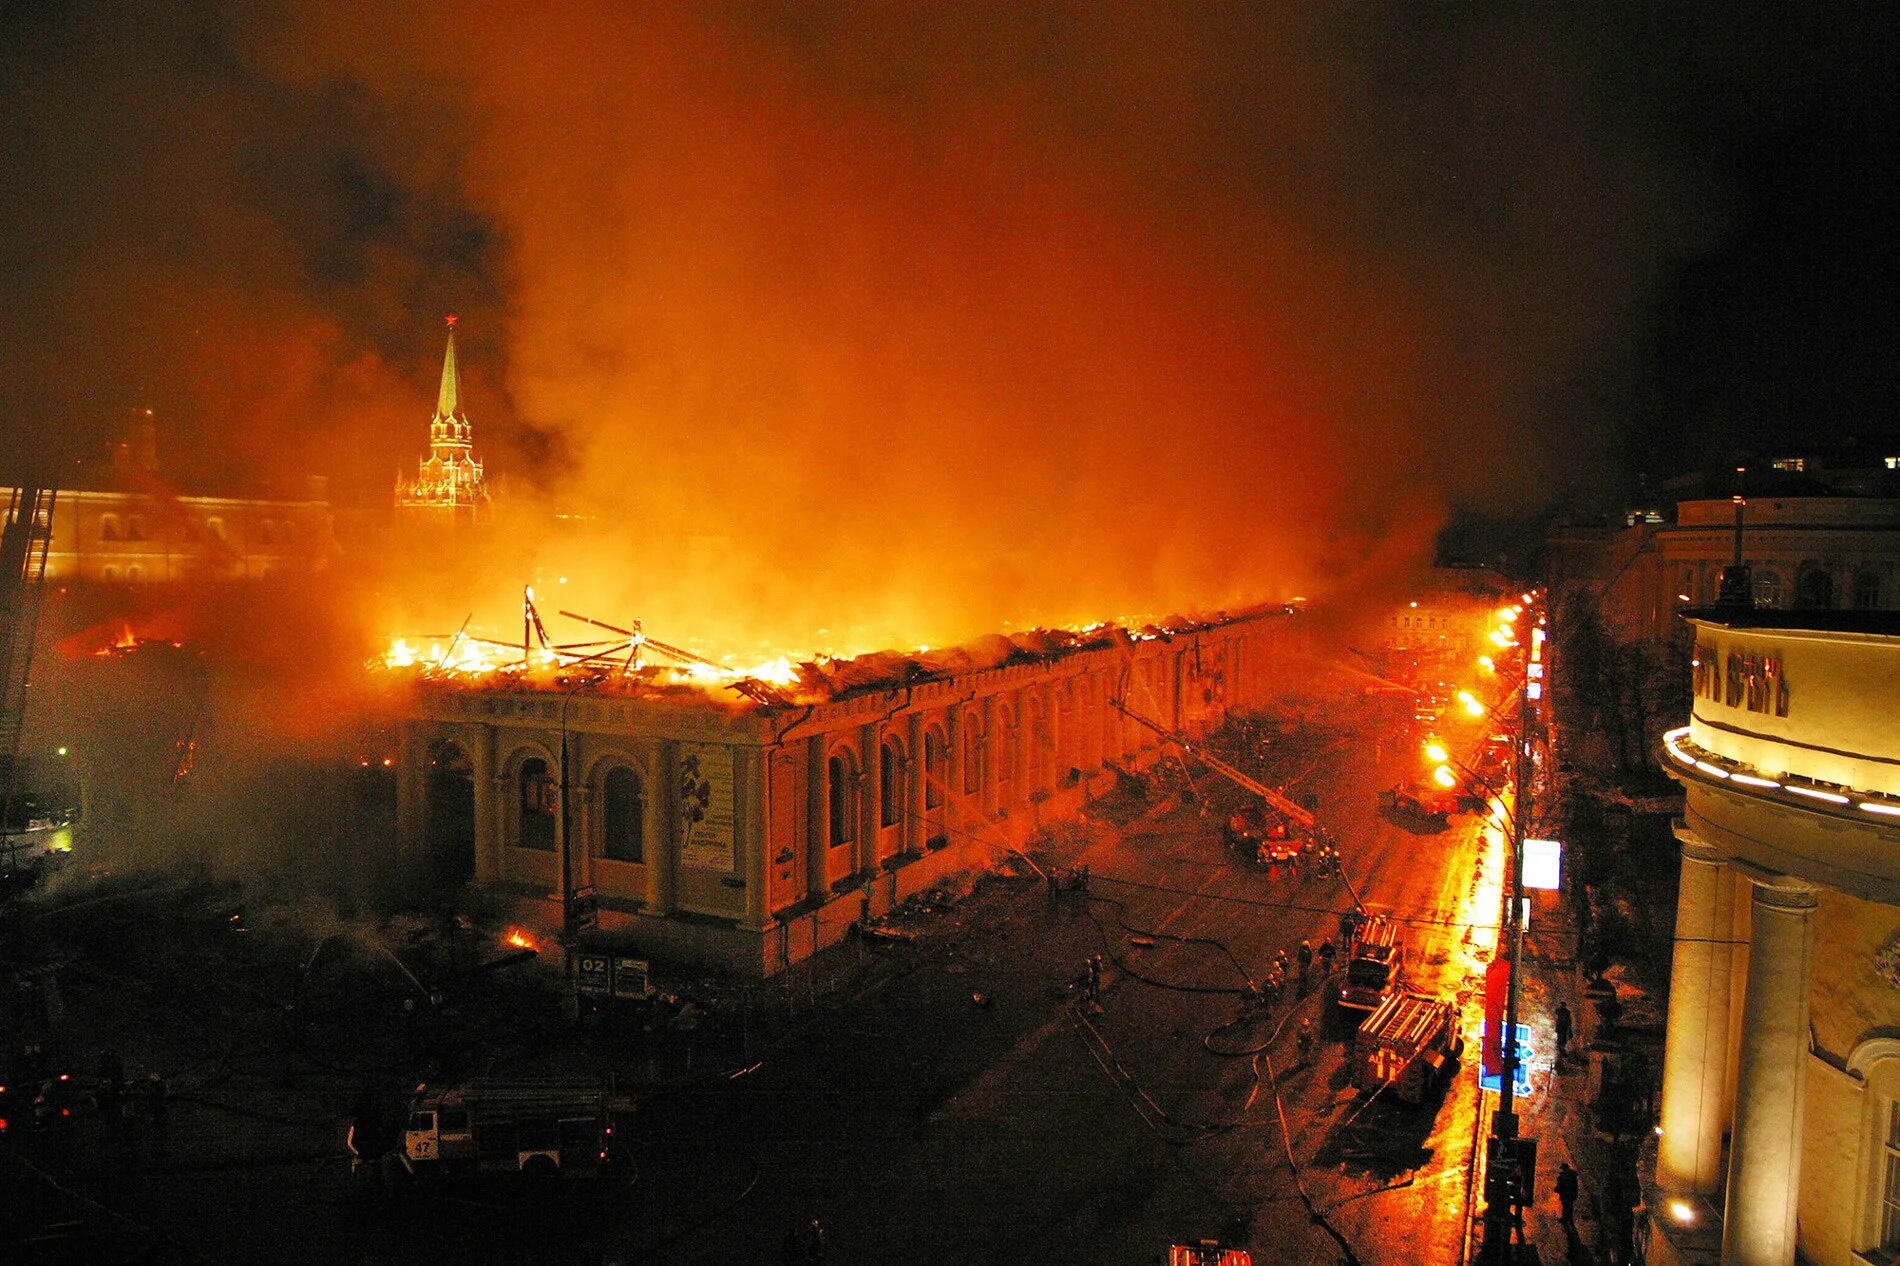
point(1806, 553)
point(1781, 1079)
point(752, 834)
point(123, 524)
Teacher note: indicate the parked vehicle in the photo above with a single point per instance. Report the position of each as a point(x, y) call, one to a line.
point(1375, 966)
point(549, 1128)
point(1406, 1046)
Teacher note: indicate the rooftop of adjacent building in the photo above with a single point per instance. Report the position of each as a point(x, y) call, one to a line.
point(1870, 623)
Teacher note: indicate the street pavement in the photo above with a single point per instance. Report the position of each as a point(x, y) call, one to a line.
point(944, 1098)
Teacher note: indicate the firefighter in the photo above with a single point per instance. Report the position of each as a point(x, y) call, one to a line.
point(1094, 985)
point(1276, 983)
point(1305, 1039)
point(1306, 964)
point(1327, 953)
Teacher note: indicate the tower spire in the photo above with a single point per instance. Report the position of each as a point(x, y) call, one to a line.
point(448, 400)
point(448, 483)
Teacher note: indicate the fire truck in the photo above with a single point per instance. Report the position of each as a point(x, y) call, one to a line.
point(1374, 965)
point(1420, 801)
point(545, 1128)
point(1208, 1253)
point(1405, 1046)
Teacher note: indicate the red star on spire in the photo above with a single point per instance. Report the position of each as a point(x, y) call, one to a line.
point(451, 319)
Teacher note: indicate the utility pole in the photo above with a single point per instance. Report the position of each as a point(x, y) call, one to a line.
point(1504, 1186)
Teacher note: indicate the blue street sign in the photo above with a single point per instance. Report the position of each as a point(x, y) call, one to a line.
point(1521, 1083)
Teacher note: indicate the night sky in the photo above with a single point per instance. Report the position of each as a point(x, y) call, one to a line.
point(1075, 308)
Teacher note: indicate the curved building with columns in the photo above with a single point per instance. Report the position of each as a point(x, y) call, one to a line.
point(751, 832)
point(1781, 1071)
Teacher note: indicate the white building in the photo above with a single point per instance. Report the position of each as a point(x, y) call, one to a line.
point(1781, 1079)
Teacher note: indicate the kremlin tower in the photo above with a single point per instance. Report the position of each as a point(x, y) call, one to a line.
point(448, 488)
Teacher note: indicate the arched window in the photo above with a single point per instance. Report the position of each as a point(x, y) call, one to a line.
point(841, 797)
point(1768, 590)
point(135, 575)
point(936, 766)
point(539, 801)
point(1867, 589)
point(623, 816)
point(1814, 591)
point(973, 753)
point(1876, 1063)
point(109, 528)
point(134, 528)
point(890, 783)
point(216, 528)
point(112, 574)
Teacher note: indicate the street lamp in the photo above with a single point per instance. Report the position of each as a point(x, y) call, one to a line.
point(1505, 1147)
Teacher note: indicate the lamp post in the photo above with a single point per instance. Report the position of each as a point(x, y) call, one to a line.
point(1504, 1189)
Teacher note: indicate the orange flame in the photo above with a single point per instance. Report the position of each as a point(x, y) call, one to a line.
point(520, 939)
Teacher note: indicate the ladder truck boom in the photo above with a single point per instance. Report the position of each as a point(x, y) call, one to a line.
point(1286, 808)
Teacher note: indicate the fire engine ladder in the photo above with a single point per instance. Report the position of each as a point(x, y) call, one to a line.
point(24, 541)
point(1288, 809)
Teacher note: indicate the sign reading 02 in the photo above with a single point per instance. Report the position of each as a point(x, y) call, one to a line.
point(1755, 682)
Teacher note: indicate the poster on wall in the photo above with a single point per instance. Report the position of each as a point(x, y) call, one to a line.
point(704, 799)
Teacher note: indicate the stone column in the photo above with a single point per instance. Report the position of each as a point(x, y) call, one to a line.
point(752, 829)
point(1695, 1051)
point(412, 792)
point(916, 774)
point(488, 795)
point(660, 847)
point(987, 766)
point(868, 788)
point(1764, 1173)
point(817, 819)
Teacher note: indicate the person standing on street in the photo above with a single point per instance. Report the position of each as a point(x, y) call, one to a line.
point(1306, 964)
point(1567, 1191)
point(1562, 1022)
point(1326, 954)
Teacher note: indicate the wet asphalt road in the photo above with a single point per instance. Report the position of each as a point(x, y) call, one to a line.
point(952, 1105)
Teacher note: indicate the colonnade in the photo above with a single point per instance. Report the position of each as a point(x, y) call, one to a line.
point(1736, 1048)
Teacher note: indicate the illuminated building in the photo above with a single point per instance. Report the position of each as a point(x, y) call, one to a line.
point(1811, 553)
point(449, 488)
point(1784, 1009)
point(123, 524)
point(750, 832)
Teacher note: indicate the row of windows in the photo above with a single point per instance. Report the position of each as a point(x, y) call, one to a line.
point(842, 778)
point(620, 833)
point(1813, 590)
point(132, 528)
point(621, 822)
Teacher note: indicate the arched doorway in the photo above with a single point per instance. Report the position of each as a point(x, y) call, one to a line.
point(450, 792)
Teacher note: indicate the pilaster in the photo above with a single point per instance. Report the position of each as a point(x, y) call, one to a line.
point(1695, 1051)
point(1765, 1154)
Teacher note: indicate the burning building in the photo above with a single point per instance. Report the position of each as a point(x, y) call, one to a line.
point(751, 826)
